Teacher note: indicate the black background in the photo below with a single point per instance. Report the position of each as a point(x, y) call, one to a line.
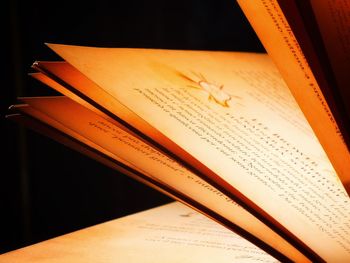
point(47, 189)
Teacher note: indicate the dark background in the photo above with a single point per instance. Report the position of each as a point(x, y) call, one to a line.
point(47, 189)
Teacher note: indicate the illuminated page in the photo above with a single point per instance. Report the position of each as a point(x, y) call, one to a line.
point(233, 113)
point(272, 28)
point(171, 233)
point(70, 77)
point(67, 80)
point(79, 122)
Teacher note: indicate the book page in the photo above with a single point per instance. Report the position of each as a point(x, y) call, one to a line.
point(171, 233)
point(225, 110)
point(272, 28)
point(118, 144)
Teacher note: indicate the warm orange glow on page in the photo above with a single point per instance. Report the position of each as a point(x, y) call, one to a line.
point(263, 146)
point(97, 132)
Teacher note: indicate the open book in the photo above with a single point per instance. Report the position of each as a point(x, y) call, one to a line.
point(218, 131)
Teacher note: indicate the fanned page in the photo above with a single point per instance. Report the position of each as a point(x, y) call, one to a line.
point(276, 34)
point(73, 81)
point(321, 29)
point(171, 233)
point(107, 138)
point(232, 113)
